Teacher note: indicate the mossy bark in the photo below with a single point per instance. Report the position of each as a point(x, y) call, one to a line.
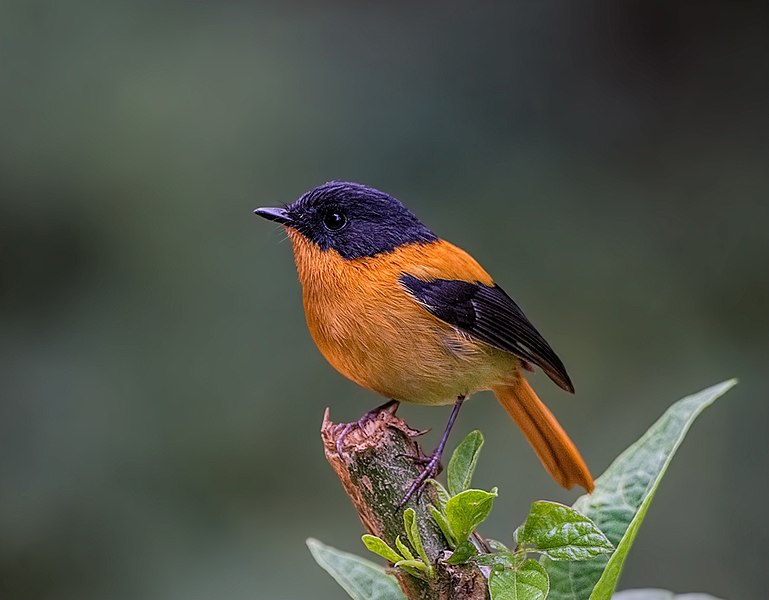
point(376, 465)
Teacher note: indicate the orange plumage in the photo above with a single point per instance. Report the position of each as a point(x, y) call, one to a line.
point(553, 446)
point(415, 318)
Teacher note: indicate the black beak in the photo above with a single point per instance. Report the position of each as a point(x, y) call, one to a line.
point(279, 215)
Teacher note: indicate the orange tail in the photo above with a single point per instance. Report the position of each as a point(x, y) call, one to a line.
point(554, 448)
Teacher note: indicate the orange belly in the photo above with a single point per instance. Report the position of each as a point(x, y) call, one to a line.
point(374, 333)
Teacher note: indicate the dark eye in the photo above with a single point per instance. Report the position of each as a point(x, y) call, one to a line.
point(334, 220)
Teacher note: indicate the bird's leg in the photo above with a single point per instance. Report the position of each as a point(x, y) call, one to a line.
point(433, 464)
point(390, 405)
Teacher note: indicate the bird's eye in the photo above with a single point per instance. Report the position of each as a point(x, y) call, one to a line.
point(334, 220)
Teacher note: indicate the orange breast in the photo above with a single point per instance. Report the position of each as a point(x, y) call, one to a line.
point(373, 332)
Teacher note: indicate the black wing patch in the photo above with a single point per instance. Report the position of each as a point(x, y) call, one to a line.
point(491, 316)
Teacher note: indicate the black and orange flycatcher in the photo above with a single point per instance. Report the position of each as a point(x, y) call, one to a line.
point(412, 317)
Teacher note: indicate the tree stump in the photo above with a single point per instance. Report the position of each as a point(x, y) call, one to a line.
point(376, 464)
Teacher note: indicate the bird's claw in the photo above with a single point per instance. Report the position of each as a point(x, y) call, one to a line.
point(420, 432)
point(431, 469)
point(347, 429)
point(390, 407)
point(418, 459)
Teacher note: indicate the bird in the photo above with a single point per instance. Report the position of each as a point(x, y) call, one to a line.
point(414, 318)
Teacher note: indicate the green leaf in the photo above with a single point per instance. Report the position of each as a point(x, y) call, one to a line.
point(443, 523)
point(497, 546)
point(380, 547)
point(440, 492)
point(503, 559)
point(360, 578)
point(464, 552)
point(654, 594)
point(414, 564)
point(561, 533)
point(412, 531)
point(622, 496)
point(467, 510)
point(403, 549)
point(529, 582)
point(462, 464)
point(415, 568)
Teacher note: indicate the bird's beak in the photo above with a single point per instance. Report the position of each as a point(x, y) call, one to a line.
point(279, 215)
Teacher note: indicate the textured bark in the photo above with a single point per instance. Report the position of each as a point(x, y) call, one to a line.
point(376, 468)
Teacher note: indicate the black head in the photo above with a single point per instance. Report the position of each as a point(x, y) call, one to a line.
point(353, 219)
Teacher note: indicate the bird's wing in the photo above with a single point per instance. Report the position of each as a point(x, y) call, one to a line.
point(488, 314)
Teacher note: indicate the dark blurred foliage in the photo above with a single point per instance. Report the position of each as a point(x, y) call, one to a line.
point(159, 396)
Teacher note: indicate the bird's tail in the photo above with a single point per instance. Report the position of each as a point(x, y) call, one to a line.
point(557, 452)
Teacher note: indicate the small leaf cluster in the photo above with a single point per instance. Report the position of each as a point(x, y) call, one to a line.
point(551, 529)
point(461, 509)
point(404, 558)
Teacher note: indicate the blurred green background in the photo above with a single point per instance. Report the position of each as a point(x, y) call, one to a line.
point(160, 398)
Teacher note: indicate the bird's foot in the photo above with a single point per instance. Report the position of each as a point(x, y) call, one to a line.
point(390, 406)
point(419, 459)
point(432, 468)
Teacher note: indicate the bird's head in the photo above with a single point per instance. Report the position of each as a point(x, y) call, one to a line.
point(354, 220)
